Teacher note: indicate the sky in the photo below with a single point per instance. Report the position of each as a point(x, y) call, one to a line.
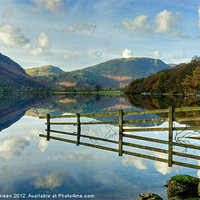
point(73, 34)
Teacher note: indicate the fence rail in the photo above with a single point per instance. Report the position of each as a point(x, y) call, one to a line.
point(124, 130)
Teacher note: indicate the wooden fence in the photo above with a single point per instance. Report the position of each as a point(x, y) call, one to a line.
point(124, 132)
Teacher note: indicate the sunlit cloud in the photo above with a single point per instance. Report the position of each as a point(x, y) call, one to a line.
point(7, 171)
point(8, 12)
point(198, 171)
point(50, 181)
point(162, 167)
point(126, 53)
point(55, 6)
point(13, 37)
point(156, 54)
point(43, 144)
point(90, 53)
point(34, 10)
point(199, 17)
point(78, 27)
point(44, 40)
point(166, 20)
point(134, 161)
point(137, 24)
point(13, 147)
point(38, 52)
point(80, 157)
point(180, 55)
point(93, 53)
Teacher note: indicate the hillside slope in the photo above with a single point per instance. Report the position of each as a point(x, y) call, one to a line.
point(13, 77)
point(82, 79)
point(124, 70)
point(184, 78)
point(43, 71)
point(114, 73)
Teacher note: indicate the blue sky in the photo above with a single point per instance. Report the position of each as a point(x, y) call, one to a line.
point(73, 34)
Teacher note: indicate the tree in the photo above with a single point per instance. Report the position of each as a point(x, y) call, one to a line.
point(196, 58)
point(97, 88)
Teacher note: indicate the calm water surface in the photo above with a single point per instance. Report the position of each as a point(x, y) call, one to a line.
point(31, 165)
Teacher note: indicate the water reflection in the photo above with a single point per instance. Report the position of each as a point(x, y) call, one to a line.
point(58, 167)
point(32, 165)
point(160, 154)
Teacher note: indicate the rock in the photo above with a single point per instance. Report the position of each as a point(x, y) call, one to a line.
point(149, 196)
point(182, 186)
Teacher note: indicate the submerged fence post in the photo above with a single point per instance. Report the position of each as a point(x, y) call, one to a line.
point(78, 129)
point(120, 132)
point(170, 155)
point(48, 127)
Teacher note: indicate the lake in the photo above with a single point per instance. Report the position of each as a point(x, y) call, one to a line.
point(33, 168)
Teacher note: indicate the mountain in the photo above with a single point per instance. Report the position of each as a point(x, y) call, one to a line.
point(43, 71)
point(13, 77)
point(123, 70)
point(183, 78)
point(114, 73)
point(13, 107)
point(82, 79)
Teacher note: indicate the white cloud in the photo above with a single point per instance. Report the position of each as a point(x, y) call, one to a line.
point(165, 21)
point(199, 11)
point(55, 6)
point(79, 27)
point(156, 54)
point(137, 24)
point(7, 171)
point(180, 55)
point(43, 144)
point(126, 53)
point(8, 12)
point(13, 37)
point(199, 17)
point(80, 157)
point(93, 53)
point(13, 147)
point(198, 171)
point(162, 167)
point(136, 162)
point(38, 52)
point(90, 53)
point(68, 57)
point(34, 10)
point(50, 181)
point(178, 34)
point(44, 40)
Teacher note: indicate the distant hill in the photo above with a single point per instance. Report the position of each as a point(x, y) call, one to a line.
point(171, 64)
point(114, 73)
point(82, 79)
point(123, 70)
point(13, 77)
point(183, 78)
point(43, 71)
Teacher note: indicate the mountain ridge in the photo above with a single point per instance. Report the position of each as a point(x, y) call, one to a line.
point(114, 73)
point(45, 70)
point(13, 77)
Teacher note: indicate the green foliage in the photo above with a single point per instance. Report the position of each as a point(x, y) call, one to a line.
point(43, 71)
point(186, 178)
point(107, 74)
point(183, 78)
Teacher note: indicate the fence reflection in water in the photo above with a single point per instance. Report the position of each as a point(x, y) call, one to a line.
point(127, 132)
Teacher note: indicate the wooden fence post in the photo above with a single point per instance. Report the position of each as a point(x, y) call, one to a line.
point(48, 127)
point(120, 132)
point(170, 136)
point(78, 129)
